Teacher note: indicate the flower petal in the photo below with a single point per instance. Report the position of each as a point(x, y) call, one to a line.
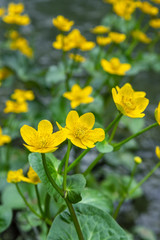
point(72, 119)
point(96, 135)
point(77, 142)
point(87, 120)
point(28, 134)
point(45, 127)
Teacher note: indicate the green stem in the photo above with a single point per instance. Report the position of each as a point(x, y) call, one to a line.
point(114, 131)
point(47, 204)
point(145, 178)
point(66, 166)
point(118, 208)
point(50, 177)
point(27, 204)
point(113, 122)
point(77, 160)
point(62, 163)
point(117, 146)
point(91, 166)
point(39, 201)
point(75, 220)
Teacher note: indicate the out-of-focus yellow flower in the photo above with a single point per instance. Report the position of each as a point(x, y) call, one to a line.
point(77, 57)
point(32, 176)
point(13, 34)
point(18, 176)
point(4, 73)
point(157, 151)
point(22, 45)
point(42, 140)
point(15, 107)
point(148, 8)
point(103, 41)
point(87, 46)
point(117, 37)
point(155, 23)
point(156, 1)
point(157, 114)
point(22, 95)
point(115, 67)
point(138, 159)
point(110, 1)
point(2, 12)
point(124, 8)
point(79, 95)
point(63, 42)
point(14, 16)
point(142, 37)
point(79, 130)
point(130, 102)
point(100, 29)
point(4, 138)
point(62, 23)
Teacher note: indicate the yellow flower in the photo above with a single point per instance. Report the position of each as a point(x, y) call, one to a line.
point(42, 140)
point(87, 46)
point(103, 41)
point(63, 42)
point(148, 8)
point(4, 138)
point(79, 130)
point(115, 67)
point(2, 11)
point(125, 8)
point(15, 8)
point(137, 159)
point(13, 34)
point(155, 23)
point(15, 107)
point(117, 37)
point(62, 23)
point(18, 176)
point(130, 102)
point(79, 95)
point(77, 57)
point(15, 176)
point(32, 176)
point(157, 114)
point(142, 37)
point(156, 1)
point(22, 45)
point(157, 151)
point(100, 29)
point(22, 95)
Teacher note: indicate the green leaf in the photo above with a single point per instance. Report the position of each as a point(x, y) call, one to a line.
point(96, 198)
point(144, 233)
point(133, 124)
point(35, 161)
point(75, 186)
point(5, 217)
point(95, 225)
point(27, 220)
point(55, 74)
point(104, 147)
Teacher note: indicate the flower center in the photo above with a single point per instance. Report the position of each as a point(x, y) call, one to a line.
point(128, 102)
point(115, 63)
point(79, 132)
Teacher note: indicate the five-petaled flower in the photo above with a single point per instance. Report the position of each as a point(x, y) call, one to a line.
point(79, 130)
point(62, 23)
point(130, 102)
point(115, 67)
point(43, 140)
point(157, 114)
point(79, 95)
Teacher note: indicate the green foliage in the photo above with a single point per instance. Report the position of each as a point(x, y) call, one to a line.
point(144, 233)
point(5, 217)
point(95, 224)
point(104, 146)
point(75, 185)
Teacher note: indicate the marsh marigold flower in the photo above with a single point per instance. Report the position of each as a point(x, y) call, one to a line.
point(2, 11)
point(62, 23)
point(18, 176)
point(115, 67)
point(79, 95)
point(125, 8)
point(100, 29)
point(63, 42)
point(79, 130)
point(142, 37)
point(155, 23)
point(156, 1)
point(138, 159)
point(157, 114)
point(157, 151)
point(4, 138)
point(103, 41)
point(22, 95)
point(117, 37)
point(77, 57)
point(148, 8)
point(42, 140)
point(16, 107)
point(130, 102)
